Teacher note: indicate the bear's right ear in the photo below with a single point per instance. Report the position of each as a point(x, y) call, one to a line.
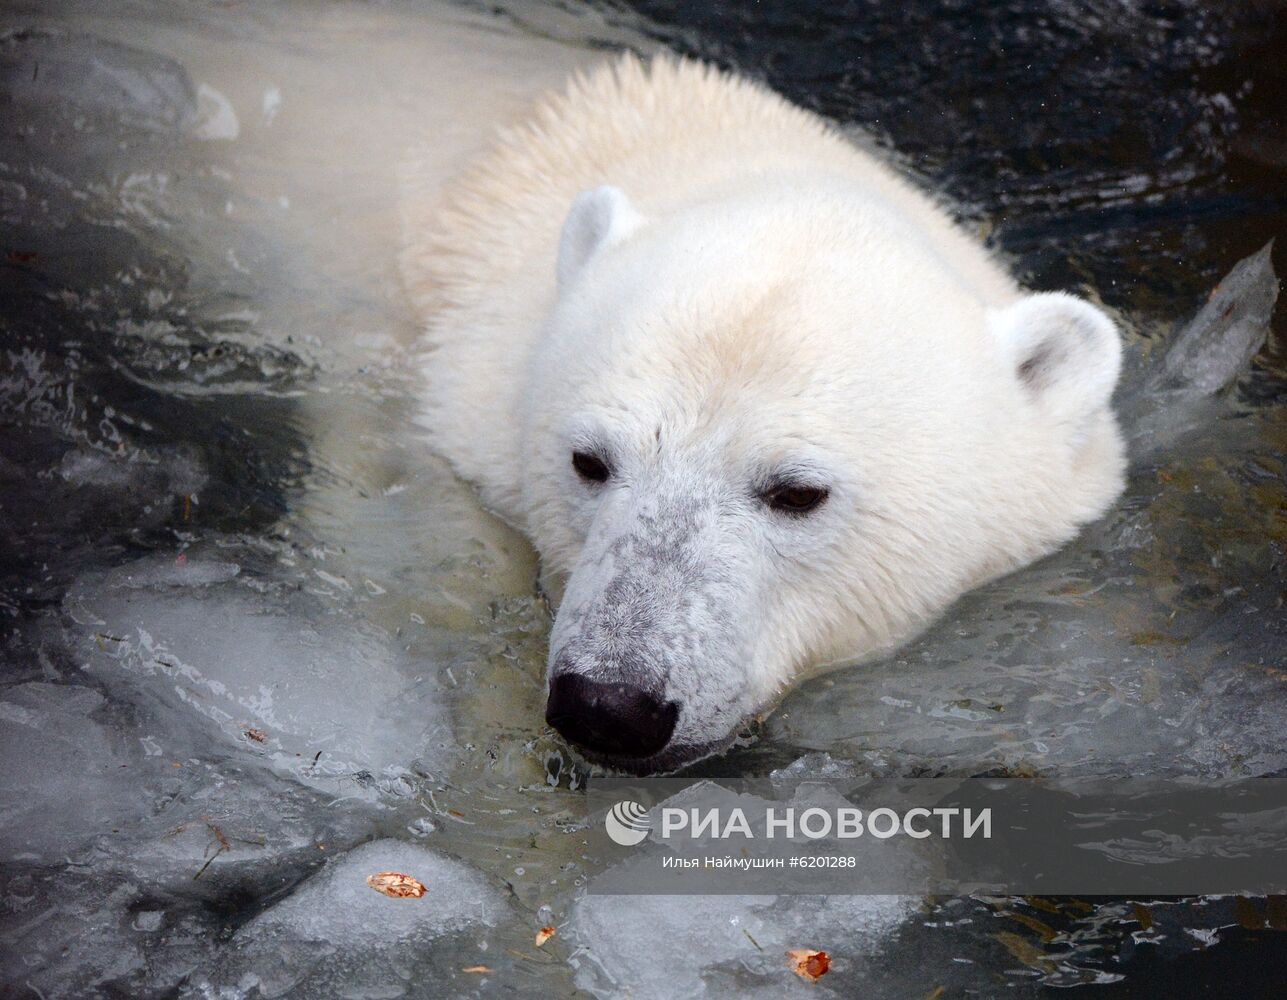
point(599, 218)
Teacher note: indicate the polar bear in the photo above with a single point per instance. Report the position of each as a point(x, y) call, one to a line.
point(759, 404)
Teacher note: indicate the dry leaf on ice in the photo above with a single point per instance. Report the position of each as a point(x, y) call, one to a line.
point(808, 964)
point(543, 935)
point(475, 968)
point(396, 885)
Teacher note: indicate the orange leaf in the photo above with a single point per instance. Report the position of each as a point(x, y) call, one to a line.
point(808, 964)
point(396, 885)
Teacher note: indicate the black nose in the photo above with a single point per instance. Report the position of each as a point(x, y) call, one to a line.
point(616, 719)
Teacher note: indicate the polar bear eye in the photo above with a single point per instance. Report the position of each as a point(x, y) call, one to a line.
point(589, 467)
point(795, 498)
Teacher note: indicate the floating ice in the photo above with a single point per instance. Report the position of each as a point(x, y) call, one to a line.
point(67, 72)
point(158, 475)
point(726, 946)
point(335, 935)
point(1220, 341)
point(1203, 358)
point(159, 572)
point(337, 905)
point(330, 695)
point(74, 935)
point(815, 767)
point(272, 103)
point(124, 830)
point(1055, 671)
point(67, 777)
point(216, 118)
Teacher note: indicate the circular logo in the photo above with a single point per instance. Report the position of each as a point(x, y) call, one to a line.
point(627, 823)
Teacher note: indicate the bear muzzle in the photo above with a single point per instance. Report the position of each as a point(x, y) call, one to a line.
point(610, 719)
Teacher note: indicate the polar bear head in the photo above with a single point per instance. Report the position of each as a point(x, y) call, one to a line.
point(778, 430)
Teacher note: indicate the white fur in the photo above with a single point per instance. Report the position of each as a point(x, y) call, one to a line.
point(597, 220)
point(1067, 352)
point(739, 292)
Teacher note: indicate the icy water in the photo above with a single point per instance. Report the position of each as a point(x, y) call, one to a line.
point(259, 643)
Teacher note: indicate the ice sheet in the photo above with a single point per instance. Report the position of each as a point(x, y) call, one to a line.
point(727, 946)
point(295, 669)
point(337, 936)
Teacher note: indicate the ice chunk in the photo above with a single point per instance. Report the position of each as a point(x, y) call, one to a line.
point(330, 692)
point(226, 827)
point(66, 777)
point(336, 936)
point(338, 906)
point(272, 103)
point(725, 946)
point(78, 73)
point(128, 890)
point(73, 933)
point(1218, 343)
point(156, 795)
point(814, 767)
point(156, 572)
point(216, 119)
point(1204, 357)
point(158, 474)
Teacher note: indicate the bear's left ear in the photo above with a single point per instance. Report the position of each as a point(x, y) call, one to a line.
point(1064, 351)
point(599, 218)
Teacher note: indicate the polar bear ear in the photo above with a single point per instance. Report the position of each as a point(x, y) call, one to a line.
point(1064, 351)
point(599, 218)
